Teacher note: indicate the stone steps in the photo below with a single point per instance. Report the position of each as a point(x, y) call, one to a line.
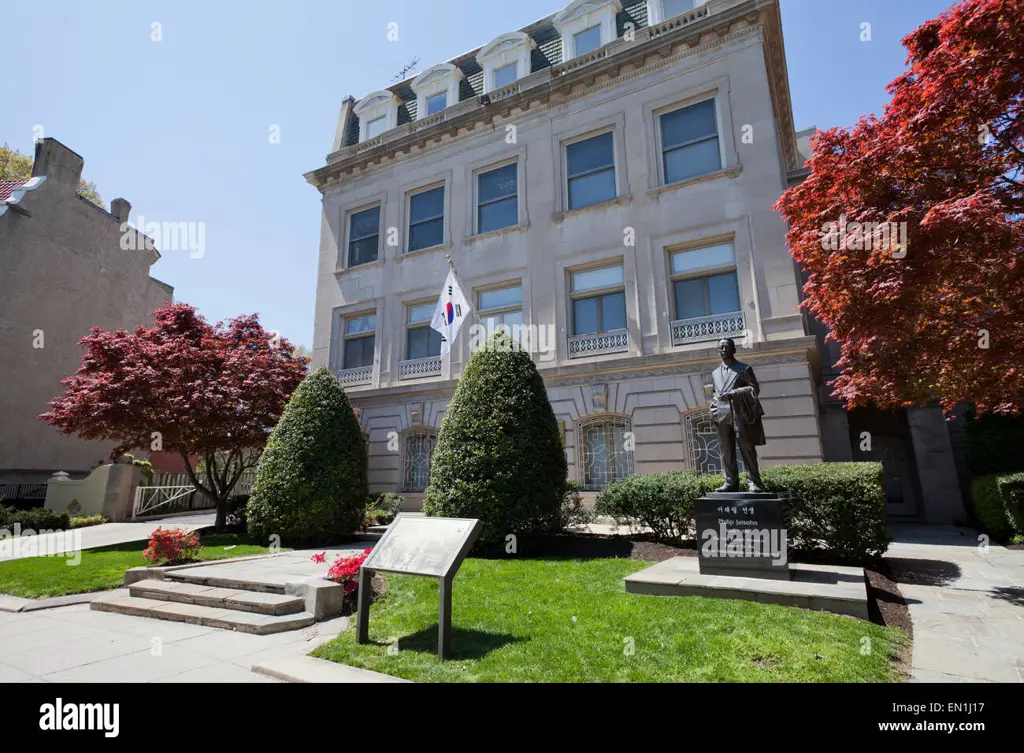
point(209, 616)
point(222, 602)
point(243, 600)
point(238, 584)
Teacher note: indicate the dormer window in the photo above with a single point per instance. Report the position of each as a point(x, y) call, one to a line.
point(505, 60)
point(436, 88)
point(586, 26)
point(377, 113)
point(437, 103)
point(376, 127)
point(586, 41)
point(507, 74)
point(663, 10)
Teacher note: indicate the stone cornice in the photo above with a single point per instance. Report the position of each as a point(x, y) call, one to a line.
point(655, 47)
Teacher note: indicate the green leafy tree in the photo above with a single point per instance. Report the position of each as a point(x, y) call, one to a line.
point(304, 352)
point(499, 454)
point(17, 166)
point(311, 486)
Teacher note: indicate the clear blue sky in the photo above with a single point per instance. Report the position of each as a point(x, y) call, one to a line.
point(181, 127)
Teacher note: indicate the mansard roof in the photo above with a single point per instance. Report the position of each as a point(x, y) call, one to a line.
point(547, 53)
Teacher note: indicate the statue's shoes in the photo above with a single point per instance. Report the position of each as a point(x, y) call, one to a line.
point(728, 488)
point(755, 489)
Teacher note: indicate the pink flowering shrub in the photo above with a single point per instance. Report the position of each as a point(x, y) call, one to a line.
point(345, 571)
point(172, 545)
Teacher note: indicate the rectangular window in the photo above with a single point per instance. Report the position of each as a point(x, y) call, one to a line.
point(599, 300)
point(421, 341)
point(360, 339)
point(376, 127)
point(675, 7)
point(586, 41)
point(437, 103)
point(507, 74)
point(590, 167)
point(714, 292)
point(498, 198)
point(426, 219)
point(689, 142)
point(363, 236)
point(502, 308)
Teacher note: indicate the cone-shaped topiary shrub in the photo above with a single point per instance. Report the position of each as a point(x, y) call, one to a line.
point(310, 486)
point(499, 456)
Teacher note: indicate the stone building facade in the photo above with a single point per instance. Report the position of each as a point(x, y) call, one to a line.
point(62, 271)
point(604, 177)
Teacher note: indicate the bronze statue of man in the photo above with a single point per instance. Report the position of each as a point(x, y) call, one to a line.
point(737, 413)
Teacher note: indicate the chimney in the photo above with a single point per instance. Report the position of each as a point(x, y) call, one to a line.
point(58, 163)
point(120, 208)
point(343, 120)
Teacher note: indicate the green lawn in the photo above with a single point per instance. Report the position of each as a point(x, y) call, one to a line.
point(572, 621)
point(102, 569)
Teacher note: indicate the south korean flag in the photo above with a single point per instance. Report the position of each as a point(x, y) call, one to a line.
point(452, 310)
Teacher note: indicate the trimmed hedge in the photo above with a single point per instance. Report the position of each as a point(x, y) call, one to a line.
point(994, 443)
point(310, 487)
point(997, 504)
point(87, 521)
point(499, 454)
point(35, 518)
point(835, 507)
point(662, 502)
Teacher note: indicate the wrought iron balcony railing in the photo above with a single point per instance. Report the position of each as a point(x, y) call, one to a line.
point(598, 343)
point(353, 377)
point(704, 328)
point(418, 368)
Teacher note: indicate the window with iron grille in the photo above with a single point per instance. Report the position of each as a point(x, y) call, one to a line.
point(605, 452)
point(419, 450)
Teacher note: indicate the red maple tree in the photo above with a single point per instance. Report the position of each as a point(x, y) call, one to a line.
point(943, 316)
point(183, 386)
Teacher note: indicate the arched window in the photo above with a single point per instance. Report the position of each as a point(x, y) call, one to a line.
point(702, 450)
point(417, 453)
point(605, 451)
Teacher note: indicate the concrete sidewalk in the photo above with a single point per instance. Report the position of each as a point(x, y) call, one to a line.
point(966, 603)
point(107, 534)
point(77, 644)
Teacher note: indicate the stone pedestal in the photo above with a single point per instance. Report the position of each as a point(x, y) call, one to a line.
point(742, 534)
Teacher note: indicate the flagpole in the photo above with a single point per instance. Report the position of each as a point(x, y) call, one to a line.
point(455, 272)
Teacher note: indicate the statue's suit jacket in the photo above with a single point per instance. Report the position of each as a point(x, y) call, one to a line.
point(745, 409)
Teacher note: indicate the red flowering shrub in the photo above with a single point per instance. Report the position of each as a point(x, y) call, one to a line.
point(345, 571)
point(318, 558)
point(172, 545)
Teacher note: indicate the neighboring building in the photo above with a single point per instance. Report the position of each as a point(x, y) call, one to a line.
point(606, 175)
point(62, 271)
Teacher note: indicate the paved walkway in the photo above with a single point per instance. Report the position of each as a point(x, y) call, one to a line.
point(107, 534)
point(966, 604)
point(77, 644)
